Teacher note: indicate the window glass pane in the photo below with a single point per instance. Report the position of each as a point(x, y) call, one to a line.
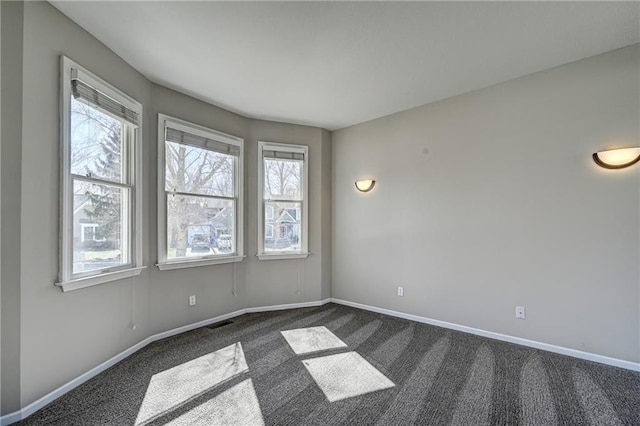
point(198, 171)
point(96, 143)
point(282, 179)
point(100, 231)
point(199, 226)
point(282, 232)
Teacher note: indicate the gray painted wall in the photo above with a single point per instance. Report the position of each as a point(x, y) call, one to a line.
point(275, 282)
point(212, 285)
point(327, 214)
point(65, 334)
point(50, 337)
point(11, 137)
point(490, 200)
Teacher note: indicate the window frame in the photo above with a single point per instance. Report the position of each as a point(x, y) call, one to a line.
point(67, 280)
point(304, 186)
point(163, 262)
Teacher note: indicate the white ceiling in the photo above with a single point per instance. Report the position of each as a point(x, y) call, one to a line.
point(335, 64)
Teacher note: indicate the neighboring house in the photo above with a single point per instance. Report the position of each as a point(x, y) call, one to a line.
point(87, 228)
point(220, 222)
point(282, 227)
point(84, 227)
point(93, 247)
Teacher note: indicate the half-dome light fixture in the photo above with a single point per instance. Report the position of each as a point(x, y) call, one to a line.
point(617, 158)
point(365, 185)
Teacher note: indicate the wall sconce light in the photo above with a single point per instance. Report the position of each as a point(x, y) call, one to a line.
point(617, 158)
point(365, 185)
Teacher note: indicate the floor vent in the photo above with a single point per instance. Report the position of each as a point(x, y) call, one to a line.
point(218, 324)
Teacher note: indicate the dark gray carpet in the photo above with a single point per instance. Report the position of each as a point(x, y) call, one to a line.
point(441, 377)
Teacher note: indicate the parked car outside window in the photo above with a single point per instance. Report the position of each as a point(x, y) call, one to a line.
point(224, 242)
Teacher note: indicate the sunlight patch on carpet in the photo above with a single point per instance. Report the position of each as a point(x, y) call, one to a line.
point(346, 375)
point(176, 386)
point(312, 339)
point(237, 405)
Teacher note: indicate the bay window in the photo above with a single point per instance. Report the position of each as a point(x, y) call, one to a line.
point(200, 195)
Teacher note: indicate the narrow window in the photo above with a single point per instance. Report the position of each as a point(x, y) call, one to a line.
point(200, 206)
point(283, 201)
point(99, 180)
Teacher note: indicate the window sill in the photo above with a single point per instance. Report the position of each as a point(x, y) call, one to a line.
point(282, 256)
point(99, 279)
point(166, 266)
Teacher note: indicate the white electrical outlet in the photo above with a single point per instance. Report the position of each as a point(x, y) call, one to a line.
point(520, 312)
point(192, 300)
point(400, 291)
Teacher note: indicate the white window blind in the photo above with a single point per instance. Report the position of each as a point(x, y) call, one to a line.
point(82, 90)
point(185, 138)
point(283, 155)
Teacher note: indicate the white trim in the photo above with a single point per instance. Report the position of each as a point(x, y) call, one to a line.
point(66, 202)
point(281, 256)
point(10, 418)
point(134, 186)
point(51, 396)
point(304, 184)
point(176, 123)
point(162, 200)
point(615, 362)
point(200, 262)
point(99, 279)
point(287, 306)
point(137, 181)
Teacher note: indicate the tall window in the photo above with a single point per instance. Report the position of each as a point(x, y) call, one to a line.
point(200, 204)
point(283, 201)
point(100, 174)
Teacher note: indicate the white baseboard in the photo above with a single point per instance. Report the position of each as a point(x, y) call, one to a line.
point(10, 418)
point(288, 306)
point(189, 327)
point(51, 396)
point(634, 366)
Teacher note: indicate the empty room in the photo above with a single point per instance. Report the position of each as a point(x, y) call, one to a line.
point(319, 213)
